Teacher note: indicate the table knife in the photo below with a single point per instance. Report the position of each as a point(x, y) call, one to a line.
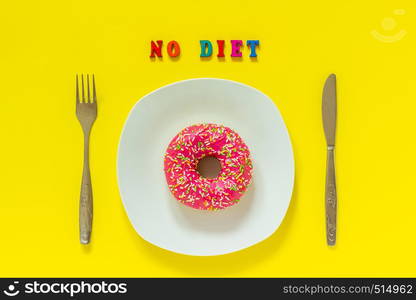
point(329, 117)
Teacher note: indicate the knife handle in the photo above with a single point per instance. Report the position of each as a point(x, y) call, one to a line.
point(330, 198)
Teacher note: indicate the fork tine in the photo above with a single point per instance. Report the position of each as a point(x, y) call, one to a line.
point(82, 84)
point(88, 88)
point(77, 91)
point(94, 95)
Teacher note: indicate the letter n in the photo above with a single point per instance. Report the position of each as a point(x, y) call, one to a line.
point(156, 49)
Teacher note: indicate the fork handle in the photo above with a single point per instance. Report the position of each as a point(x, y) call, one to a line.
point(330, 199)
point(85, 207)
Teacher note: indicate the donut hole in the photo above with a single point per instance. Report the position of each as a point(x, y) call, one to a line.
point(209, 167)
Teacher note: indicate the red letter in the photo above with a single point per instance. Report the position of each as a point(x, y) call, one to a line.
point(156, 49)
point(220, 48)
point(174, 49)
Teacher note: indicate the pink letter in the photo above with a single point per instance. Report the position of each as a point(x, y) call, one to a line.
point(235, 48)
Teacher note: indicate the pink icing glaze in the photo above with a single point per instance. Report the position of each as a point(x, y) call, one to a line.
point(192, 144)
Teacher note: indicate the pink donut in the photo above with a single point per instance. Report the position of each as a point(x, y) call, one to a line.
point(181, 160)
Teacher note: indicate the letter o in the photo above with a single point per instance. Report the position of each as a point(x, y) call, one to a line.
point(96, 288)
point(113, 288)
point(45, 288)
point(173, 49)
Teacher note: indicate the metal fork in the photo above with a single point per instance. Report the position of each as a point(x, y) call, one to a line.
point(86, 109)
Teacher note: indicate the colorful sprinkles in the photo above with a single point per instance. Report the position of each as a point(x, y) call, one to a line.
point(194, 143)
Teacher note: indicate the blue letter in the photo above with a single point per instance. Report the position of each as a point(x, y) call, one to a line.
point(206, 48)
point(252, 44)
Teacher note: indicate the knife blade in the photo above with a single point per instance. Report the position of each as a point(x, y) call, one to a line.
point(329, 117)
point(329, 109)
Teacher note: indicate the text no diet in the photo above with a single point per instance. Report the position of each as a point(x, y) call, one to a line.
point(173, 48)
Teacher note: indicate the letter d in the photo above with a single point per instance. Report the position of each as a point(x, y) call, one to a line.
point(206, 48)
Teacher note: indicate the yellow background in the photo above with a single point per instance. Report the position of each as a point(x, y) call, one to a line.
point(45, 43)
